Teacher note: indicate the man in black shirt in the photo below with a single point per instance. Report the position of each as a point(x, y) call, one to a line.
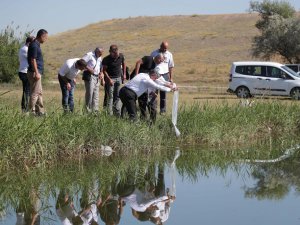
point(114, 70)
point(145, 65)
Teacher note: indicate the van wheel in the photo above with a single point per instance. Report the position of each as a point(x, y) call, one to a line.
point(295, 93)
point(242, 92)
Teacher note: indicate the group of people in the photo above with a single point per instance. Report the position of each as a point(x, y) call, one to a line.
point(151, 73)
point(147, 197)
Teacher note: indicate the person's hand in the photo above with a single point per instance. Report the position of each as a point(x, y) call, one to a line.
point(100, 76)
point(111, 82)
point(37, 76)
point(69, 86)
point(102, 82)
point(74, 81)
point(175, 89)
point(153, 94)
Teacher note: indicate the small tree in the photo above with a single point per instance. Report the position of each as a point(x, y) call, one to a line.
point(9, 47)
point(280, 31)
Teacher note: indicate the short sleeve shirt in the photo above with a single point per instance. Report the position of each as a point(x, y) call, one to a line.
point(35, 52)
point(168, 60)
point(93, 62)
point(113, 66)
point(69, 70)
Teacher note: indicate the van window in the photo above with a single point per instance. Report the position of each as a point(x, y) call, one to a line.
point(277, 73)
point(251, 70)
point(293, 67)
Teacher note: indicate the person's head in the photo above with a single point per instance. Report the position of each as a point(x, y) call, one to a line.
point(154, 74)
point(164, 46)
point(81, 64)
point(98, 52)
point(29, 39)
point(159, 58)
point(42, 36)
point(114, 51)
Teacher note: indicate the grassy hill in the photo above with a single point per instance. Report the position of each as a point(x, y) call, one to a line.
point(203, 46)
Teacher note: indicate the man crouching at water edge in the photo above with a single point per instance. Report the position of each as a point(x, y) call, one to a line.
point(67, 80)
point(137, 86)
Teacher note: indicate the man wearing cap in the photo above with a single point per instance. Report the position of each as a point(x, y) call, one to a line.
point(114, 70)
point(92, 78)
point(166, 71)
point(136, 87)
point(67, 80)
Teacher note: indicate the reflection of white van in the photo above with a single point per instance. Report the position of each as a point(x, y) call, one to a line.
point(263, 78)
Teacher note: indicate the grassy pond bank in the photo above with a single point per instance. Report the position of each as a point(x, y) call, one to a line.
point(35, 141)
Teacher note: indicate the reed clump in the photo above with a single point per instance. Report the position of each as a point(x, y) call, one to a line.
point(28, 140)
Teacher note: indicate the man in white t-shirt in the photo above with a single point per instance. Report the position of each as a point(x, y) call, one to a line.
point(92, 78)
point(67, 80)
point(23, 67)
point(166, 71)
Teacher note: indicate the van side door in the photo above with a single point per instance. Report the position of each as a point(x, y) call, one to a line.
point(278, 81)
point(259, 77)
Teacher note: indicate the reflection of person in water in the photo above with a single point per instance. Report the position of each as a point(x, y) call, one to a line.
point(27, 211)
point(88, 214)
point(65, 208)
point(111, 206)
point(148, 201)
point(158, 207)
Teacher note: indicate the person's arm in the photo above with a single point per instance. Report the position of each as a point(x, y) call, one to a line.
point(124, 70)
point(152, 84)
point(37, 75)
point(137, 66)
point(87, 58)
point(107, 76)
point(171, 66)
point(63, 75)
point(170, 73)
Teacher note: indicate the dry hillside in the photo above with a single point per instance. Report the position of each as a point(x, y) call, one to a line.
point(203, 46)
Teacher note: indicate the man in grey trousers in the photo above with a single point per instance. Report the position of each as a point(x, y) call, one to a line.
point(92, 78)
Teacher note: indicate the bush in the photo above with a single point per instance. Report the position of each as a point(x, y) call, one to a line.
point(9, 48)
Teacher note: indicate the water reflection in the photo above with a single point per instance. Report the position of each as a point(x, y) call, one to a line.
point(131, 190)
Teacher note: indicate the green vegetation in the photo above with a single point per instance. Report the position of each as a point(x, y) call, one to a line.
point(38, 141)
point(10, 43)
point(279, 29)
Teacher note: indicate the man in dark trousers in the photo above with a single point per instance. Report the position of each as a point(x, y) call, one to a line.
point(145, 65)
point(166, 71)
point(137, 86)
point(114, 70)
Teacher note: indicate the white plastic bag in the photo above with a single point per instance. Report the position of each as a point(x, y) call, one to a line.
point(174, 112)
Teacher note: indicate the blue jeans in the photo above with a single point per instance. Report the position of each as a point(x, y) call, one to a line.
point(26, 91)
point(67, 96)
point(111, 97)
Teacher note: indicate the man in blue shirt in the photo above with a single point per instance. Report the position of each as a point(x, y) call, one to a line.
point(35, 71)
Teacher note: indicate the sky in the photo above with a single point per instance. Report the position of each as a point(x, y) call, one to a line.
point(62, 15)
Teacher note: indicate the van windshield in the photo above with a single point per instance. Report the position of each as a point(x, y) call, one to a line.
point(290, 71)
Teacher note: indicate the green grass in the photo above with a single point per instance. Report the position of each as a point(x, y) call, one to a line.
point(30, 141)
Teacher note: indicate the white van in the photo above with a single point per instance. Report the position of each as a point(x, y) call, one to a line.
point(247, 79)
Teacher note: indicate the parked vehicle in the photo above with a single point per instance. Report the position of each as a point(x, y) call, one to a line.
point(247, 79)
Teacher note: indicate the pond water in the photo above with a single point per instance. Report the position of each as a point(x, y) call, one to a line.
point(186, 187)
